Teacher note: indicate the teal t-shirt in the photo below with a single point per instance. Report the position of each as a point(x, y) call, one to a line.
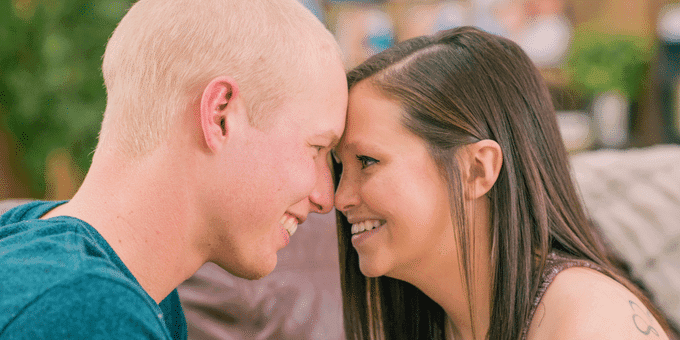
point(59, 279)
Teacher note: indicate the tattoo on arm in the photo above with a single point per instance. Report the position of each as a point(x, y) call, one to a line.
point(541, 311)
point(642, 319)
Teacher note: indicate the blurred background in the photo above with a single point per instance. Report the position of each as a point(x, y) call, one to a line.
point(611, 65)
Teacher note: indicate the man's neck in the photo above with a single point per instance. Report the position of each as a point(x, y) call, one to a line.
point(145, 218)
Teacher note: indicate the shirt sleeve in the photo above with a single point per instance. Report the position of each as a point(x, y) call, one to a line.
point(88, 307)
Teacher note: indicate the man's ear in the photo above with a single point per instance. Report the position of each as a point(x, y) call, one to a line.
point(481, 164)
point(220, 99)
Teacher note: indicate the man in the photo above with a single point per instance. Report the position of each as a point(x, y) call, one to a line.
point(220, 116)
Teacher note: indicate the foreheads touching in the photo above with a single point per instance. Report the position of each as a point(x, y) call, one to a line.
point(165, 52)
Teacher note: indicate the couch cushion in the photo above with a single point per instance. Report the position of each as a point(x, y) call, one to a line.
point(634, 197)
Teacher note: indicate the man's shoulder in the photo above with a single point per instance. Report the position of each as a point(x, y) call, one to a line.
point(88, 306)
point(38, 258)
point(24, 221)
point(26, 211)
point(65, 267)
point(51, 249)
point(582, 303)
point(25, 239)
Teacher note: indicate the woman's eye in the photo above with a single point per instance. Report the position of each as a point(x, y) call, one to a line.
point(366, 161)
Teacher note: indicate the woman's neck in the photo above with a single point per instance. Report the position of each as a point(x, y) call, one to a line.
point(468, 320)
point(443, 280)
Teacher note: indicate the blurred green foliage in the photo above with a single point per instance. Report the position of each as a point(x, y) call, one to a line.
point(601, 62)
point(51, 88)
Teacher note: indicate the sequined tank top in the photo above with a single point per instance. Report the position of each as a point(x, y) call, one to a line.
point(554, 264)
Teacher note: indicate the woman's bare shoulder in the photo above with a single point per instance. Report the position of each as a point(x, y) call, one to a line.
point(582, 303)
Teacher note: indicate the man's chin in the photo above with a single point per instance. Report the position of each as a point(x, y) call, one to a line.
point(251, 271)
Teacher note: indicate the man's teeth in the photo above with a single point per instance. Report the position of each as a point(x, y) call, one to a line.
point(365, 226)
point(289, 223)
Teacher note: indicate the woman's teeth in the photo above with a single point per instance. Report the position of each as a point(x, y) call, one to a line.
point(367, 225)
point(289, 223)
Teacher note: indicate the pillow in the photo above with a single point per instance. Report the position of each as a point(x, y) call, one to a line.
point(634, 197)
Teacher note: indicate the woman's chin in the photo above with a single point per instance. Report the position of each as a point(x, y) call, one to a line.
point(369, 269)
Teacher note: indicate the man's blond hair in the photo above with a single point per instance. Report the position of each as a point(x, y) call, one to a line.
point(164, 52)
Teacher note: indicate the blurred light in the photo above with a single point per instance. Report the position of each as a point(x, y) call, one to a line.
point(668, 26)
point(379, 31)
point(611, 112)
point(576, 130)
point(451, 15)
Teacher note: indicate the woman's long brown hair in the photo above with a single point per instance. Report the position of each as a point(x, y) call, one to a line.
point(457, 87)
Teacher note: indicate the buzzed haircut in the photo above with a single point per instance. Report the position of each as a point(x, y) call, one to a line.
point(164, 52)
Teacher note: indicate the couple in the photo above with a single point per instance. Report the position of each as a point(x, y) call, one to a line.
point(457, 214)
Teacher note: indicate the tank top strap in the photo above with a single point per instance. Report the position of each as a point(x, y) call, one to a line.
point(555, 263)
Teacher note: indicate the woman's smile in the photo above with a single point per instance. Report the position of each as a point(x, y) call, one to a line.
point(364, 230)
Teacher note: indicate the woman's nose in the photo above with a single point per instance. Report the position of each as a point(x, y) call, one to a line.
point(346, 196)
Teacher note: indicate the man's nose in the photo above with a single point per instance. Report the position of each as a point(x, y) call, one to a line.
point(321, 198)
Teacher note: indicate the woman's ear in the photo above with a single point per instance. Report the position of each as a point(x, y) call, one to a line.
point(481, 162)
point(220, 99)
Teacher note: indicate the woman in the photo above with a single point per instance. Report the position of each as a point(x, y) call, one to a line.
point(457, 209)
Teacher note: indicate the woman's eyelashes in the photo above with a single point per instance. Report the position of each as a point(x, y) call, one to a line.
point(366, 161)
